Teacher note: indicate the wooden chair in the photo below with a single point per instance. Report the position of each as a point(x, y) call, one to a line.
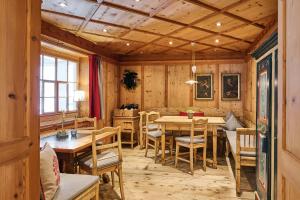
point(103, 159)
point(153, 133)
point(142, 129)
point(243, 148)
point(193, 142)
point(86, 120)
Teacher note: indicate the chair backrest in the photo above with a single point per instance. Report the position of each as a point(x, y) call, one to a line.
point(151, 117)
point(142, 122)
point(199, 129)
point(91, 121)
point(107, 134)
point(245, 140)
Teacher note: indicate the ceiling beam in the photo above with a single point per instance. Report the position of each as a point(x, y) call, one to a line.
point(53, 31)
point(142, 13)
point(271, 28)
point(121, 26)
point(224, 12)
point(89, 16)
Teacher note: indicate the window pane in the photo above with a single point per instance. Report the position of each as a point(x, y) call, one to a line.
point(72, 104)
point(49, 68)
point(62, 104)
point(41, 105)
point(72, 72)
point(48, 89)
point(62, 70)
point(49, 105)
point(62, 90)
point(41, 88)
point(41, 67)
point(72, 88)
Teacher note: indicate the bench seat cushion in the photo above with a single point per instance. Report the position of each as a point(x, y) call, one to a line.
point(231, 136)
point(72, 185)
point(105, 159)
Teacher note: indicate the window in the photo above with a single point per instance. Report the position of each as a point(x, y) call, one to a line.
point(58, 82)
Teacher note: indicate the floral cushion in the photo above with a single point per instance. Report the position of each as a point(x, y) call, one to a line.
point(49, 172)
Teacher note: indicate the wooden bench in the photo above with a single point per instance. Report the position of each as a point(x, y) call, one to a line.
point(77, 187)
point(242, 144)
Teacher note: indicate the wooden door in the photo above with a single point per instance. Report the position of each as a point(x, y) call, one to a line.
point(288, 100)
point(19, 107)
point(154, 86)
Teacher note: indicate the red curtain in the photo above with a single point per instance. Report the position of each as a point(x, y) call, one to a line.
point(94, 90)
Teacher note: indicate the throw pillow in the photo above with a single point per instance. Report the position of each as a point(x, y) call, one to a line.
point(49, 172)
point(228, 115)
point(233, 123)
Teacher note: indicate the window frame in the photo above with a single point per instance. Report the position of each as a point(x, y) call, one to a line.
point(56, 85)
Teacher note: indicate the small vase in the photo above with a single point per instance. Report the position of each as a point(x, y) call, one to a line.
point(190, 115)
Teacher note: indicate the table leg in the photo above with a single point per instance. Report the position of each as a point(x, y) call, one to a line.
point(67, 163)
point(163, 143)
point(215, 143)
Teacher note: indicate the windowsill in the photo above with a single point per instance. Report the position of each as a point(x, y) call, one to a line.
point(57, 113)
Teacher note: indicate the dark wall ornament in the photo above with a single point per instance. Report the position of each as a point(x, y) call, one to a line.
point(130, 79)
point(204, 88)
point(231, 87)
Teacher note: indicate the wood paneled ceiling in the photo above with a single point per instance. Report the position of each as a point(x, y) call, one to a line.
point(172, 27)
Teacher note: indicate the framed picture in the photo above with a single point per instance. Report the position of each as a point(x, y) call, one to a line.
point(231, 87)
point(204, 88)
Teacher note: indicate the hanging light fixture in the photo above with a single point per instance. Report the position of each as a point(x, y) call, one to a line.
point(194, 68)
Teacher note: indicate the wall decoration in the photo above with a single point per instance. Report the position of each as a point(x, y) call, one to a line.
point(130, 79)
point(204, 88)
point(231, 87)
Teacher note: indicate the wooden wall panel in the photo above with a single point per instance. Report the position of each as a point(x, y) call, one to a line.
point(288, 177)
point(163, 88)
point(110, 84)
point(235, 106)
point(112, 91)
point(133, 96)
point(178, 91)
point(19, 98)
point(154, 86)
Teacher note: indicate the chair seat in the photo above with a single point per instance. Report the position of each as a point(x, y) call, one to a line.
point(105, 159)
point(158, 133)
point(72, 185)
point(155, 134)
point(152, 127)
point(187, 139)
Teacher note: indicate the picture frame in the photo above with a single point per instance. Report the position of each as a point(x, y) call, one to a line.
point(204, 89)
point(231, 86)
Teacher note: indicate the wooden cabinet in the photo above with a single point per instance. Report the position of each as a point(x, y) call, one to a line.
point(129, 126)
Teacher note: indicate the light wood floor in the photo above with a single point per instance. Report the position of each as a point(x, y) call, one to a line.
point(145, 180)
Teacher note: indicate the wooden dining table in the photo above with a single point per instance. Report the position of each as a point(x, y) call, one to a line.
point(182, 123)
point(67, 148)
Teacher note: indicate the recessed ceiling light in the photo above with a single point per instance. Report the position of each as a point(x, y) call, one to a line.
point(63, 4)
point(137, 0)
point(105, 30)
point(217, 41)
point(193, 43)
point(218, 24)
point(171, 42)
point(128, 44)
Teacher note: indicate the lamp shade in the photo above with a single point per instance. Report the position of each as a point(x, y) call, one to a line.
point(79, 95)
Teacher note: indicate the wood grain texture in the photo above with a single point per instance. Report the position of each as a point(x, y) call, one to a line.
point(111, 89)
point(165, 89)
point(288, 101)
point(19, 52)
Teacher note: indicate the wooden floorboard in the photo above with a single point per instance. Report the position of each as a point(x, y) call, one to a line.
point(145, 180)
